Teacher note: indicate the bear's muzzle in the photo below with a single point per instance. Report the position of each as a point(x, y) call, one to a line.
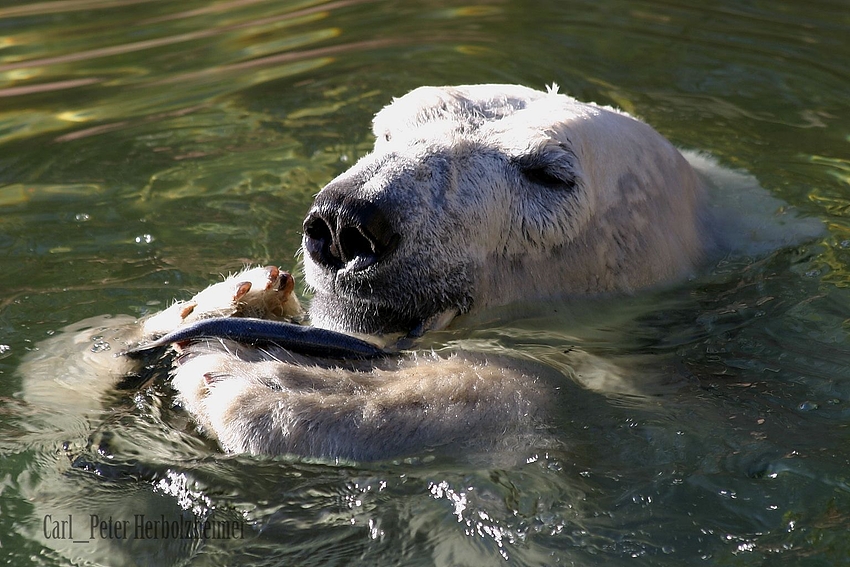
point(344, 232)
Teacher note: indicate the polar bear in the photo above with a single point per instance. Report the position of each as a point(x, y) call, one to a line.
point(473, 197)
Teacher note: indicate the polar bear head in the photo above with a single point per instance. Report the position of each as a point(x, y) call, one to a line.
point(476, 196)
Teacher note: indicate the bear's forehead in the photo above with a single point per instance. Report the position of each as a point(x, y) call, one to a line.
point(471, 105)
point(463, 103)
point(445, 140)
point(531, 131)
point(501, 118)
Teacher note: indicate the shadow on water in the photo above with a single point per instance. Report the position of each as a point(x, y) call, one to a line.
point(147, 147)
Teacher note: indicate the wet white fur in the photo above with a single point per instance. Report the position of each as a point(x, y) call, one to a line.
point(270, 402)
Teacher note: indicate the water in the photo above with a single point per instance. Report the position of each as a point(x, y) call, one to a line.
point(147, 147)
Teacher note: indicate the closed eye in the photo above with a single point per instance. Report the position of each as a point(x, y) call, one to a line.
point(542, 176)
point(551, 168)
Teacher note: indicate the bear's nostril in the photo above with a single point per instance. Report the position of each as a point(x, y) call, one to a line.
point(319, 242)
point(317, 229)
point(355, 245)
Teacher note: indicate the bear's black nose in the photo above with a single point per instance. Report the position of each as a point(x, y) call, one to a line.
point(341, 231)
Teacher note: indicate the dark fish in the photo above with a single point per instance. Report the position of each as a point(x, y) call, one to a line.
point(301, 339)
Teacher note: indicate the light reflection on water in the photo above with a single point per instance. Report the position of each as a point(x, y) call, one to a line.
point(149, 146)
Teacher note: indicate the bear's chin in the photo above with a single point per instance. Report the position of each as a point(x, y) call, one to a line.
point(368, 317)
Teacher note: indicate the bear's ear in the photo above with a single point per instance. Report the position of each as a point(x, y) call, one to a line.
point(552, 166)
